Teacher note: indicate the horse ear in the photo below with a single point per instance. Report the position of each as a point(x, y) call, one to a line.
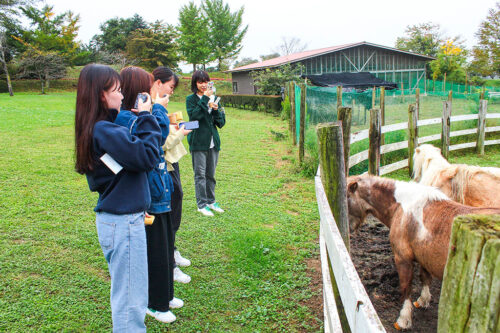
point(352, 187)
point(417, 150)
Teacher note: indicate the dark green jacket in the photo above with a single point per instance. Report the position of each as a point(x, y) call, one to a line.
point(197, 109)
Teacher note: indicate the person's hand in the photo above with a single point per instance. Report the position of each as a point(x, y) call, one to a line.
point(143, 106)
point(208, 92)
point(215, 106)
point(162, 100)
point(185, 131)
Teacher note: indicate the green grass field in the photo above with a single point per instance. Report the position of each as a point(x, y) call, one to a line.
point(253, 266)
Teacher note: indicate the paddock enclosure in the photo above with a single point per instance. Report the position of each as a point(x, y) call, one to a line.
point(360, 281)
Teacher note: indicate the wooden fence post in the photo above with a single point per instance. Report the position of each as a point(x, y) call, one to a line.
point(374, 136)
point(445, 129)
point(331, 153)
point(374, 96)
point(382, 115)
point(345, 116)
point(412, 135)
point(481, 126)
point(302, 121)
point(292, 114)
point(339, 96)
point(417, 102)
point(470, 291)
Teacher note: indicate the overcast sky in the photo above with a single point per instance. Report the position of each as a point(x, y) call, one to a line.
point(318, 23)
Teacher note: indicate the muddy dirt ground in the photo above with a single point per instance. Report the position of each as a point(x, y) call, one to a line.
point(372, 255)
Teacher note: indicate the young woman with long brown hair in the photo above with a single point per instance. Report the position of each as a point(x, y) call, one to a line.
point(116, 165)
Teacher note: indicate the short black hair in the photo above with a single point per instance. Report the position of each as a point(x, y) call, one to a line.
point(165, 74)
point(198, 76)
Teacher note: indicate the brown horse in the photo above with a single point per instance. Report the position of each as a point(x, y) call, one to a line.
point(419, 218)
point(467, 184)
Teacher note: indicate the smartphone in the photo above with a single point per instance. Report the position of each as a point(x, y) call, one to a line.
point(142, 97)
point(217, 100)
point(190, 125)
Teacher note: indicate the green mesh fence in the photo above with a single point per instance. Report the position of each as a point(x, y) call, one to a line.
point(321, 106)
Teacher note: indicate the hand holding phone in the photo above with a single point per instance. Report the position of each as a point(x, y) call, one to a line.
point(142, 102)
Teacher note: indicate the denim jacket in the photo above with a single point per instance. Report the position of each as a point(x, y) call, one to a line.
point(160, 182)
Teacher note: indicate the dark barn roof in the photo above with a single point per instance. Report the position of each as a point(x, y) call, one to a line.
point(361, 80)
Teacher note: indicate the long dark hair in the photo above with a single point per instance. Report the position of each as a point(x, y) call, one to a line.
point(165, 74)
point(198, 76)
point(91, 107)
point(135, 80)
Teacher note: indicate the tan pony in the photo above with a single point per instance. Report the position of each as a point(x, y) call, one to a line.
point(466, 184)
point(419, 218)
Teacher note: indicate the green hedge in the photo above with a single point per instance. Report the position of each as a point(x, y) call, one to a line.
point(271, 104)
point(36, 86)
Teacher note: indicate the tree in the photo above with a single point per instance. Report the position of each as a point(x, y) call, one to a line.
point(270, 81)
point(424, 38)
point(116, 32)
point(269, 56)
point(486, 55)
point(155, 46)
point(450, 62)
point(193, 35)
point(290, 46)
point(9, 11)
point(51, 33)
point(43, 65)
point(225, 30)
point(244, 62)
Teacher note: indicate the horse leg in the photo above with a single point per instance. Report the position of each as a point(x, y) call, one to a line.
point(425, 297)
point(405, 272)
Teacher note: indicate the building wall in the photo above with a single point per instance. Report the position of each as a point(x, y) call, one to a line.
point(244, 83)
point(404, 69)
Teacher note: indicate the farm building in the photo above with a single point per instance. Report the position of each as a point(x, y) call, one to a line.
point(389, 64)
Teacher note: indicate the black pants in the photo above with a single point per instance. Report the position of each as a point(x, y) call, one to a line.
point(176, 199)
point(159, 237)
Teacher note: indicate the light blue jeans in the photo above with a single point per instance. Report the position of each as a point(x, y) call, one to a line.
point(123, 243)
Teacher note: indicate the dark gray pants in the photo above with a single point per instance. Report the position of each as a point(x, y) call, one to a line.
point(204, 164)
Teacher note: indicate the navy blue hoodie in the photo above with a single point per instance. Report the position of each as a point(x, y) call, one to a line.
point(128, 191)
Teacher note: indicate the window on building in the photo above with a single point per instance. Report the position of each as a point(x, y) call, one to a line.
point(235, 87)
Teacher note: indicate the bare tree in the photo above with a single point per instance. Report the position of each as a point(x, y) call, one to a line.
point(3, 60)
point(290, 45)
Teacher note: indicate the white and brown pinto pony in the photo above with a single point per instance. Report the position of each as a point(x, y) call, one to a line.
point(419, 218)
point(466, 184)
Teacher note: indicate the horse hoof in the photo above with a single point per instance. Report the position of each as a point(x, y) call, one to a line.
point(416, 304)
point(396, 326)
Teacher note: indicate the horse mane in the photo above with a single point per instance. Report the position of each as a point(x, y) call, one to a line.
point(427, 163)
point(460, 182)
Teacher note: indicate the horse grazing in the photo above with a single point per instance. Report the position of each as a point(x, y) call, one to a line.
point(419, 218)
point(466, 184)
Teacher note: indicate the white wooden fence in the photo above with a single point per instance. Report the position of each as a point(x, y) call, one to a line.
point(360, 313)
point(362, 135)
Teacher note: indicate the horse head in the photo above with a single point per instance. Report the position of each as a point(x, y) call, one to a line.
point(358, 191)
point(427, 159)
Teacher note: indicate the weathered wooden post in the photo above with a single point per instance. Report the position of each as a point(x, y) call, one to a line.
point(345, 116)
point(445, 129)
point(470, 293)
point(481, 126)
point(292, 114)
point(417, 102)
point(302, 121)
point(331, 153)
point(382, 115)
point(374, 136)
point(374, 96)
point(339, 96)
point(412, 135)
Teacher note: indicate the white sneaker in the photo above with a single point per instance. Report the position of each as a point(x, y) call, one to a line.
point(176, 303)
point(215, 207)
point(164, 317)
point(180, 260)
point(205, 211)
point(181, 277)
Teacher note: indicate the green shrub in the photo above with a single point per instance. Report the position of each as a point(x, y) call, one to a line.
point(285, 109)
point(270, 104)
point(36, 85)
